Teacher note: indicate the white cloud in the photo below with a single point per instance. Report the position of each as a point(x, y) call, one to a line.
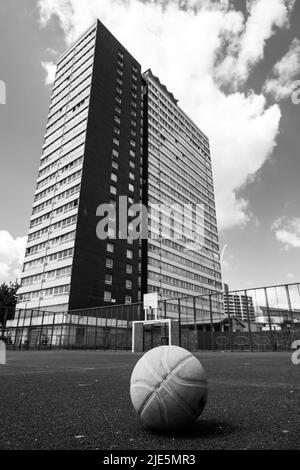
point(12, 253)
point(283, 83)
point(247, 44)
point(195, 52)
point(287, 232)
point(50, 69)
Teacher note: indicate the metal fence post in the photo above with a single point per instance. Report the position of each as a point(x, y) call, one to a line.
point(195, 323)
point(96, 329)
point(289, 304)
point(17, 327)
point(116, 326)
point(52, 331)
point(248, 320)
point(22, 331)
point(179, 321)
point(69, 316)
point(269, 316)
point(212, 329)
point(29, 330)
point(229, 320)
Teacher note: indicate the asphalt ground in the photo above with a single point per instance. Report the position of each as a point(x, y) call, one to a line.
point(80, 400)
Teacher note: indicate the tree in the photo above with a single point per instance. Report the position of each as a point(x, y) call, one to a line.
point(8, 300)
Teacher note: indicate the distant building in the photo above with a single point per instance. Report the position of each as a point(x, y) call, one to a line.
point(279, 318)
point(239, 306)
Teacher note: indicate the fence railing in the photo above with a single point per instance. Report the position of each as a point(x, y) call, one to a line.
point(259, 319)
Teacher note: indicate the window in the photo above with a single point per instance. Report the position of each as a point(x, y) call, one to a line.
point(115, 165)
point(110, 247)
point(130, 200)
point(115, 153)
point(109, 263)
point(134, 77)
point(117, 119)
point(134, 68)
point(118, 100)
point(119, 90)
point(108, 279)
point(128, 299)
point(118, 109)
point(132, 164)
point(128, 284)
point(116, 130)
point(133, 122)
point(132, 153)
point(131, 187)
point(133, 132)
point(107, 296)
point(120, 72)
point(119, 81)
point(131, 176)
point(116, 141)
point(129, 254)
point(120, 54)
point(114, 177)
point(133, 143)
point(129, 268)
point(113, 190)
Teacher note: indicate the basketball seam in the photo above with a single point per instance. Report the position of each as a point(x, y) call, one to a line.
point(189, 383)
point(180, 401)
point(161, 379)
point(141, 410)
point(165, 419)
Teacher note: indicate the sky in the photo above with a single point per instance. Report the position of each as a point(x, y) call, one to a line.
point(233, 65)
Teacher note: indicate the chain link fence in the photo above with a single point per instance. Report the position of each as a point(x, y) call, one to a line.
point(261, 319)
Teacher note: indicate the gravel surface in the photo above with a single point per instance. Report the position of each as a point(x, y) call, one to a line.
point(80, 400)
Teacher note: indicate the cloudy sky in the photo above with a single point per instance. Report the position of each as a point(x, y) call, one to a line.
point(234, 66)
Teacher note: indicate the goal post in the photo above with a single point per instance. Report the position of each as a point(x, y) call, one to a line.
point(152, 319)
point(138, 332)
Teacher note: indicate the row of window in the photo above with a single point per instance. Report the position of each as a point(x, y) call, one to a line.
point(208, 261)
point(78, 50)
point(182, 272)
point(180, 119)
point(108, 297)
point(172, 148)
point(51, 243)
point(171, 281)
point(55, 257)
point(44, 293)
point(64, 195)
point(69, 166)
point(184, 261)
point(47, 276)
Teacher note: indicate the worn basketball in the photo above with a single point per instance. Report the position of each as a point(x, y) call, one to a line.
point(168, 388)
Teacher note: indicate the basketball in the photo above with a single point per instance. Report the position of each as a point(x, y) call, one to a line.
point(168, 388)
